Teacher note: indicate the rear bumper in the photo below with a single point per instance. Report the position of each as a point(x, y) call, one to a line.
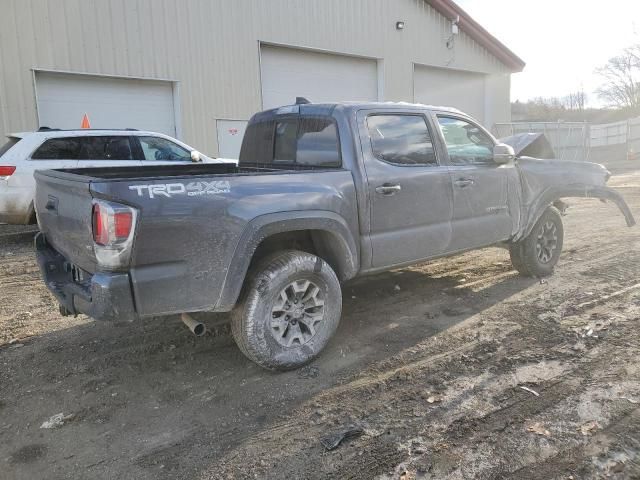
point(15, 205)
point(103, 296)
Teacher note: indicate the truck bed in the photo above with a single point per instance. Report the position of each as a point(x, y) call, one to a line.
point(178, 171)
point(192, 221)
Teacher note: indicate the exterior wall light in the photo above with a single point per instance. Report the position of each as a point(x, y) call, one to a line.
point(400, 25)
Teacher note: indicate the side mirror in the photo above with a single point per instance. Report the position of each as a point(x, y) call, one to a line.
point(195, 156)
point(503, 153)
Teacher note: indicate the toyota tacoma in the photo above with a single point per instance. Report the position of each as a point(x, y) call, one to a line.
point(322, 193)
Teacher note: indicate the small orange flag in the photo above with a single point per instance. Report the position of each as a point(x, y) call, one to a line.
point(85, 122)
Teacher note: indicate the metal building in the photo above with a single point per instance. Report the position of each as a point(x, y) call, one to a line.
point(198, 69)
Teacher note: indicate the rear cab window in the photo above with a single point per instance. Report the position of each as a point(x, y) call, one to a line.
point(284, 145)
point(257, 143)
point(318, 143)
point(296, 141)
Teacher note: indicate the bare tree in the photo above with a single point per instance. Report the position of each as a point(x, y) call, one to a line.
point(621, 76)
point(575, 100)
point(635, 55)
point(570, 107)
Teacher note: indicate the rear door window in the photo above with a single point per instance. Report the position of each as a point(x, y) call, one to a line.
point(401, 139)
point(10, 143)
point(106, 148)
point(161, 149)
point(58, 149)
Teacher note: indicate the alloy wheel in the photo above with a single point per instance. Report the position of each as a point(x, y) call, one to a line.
point(297, 313)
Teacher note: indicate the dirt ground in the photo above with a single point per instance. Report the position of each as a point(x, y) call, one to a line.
point(430, 362)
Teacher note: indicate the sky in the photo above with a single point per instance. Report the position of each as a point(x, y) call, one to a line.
point(561, 41)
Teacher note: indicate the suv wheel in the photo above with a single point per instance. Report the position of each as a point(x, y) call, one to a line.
point(537, 254)
point(290, 309)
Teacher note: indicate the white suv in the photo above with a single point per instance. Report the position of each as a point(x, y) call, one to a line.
point(25, 153)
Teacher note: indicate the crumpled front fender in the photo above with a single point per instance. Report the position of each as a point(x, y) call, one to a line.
point(554, 194)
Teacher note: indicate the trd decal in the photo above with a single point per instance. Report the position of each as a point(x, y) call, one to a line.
point(192, 189)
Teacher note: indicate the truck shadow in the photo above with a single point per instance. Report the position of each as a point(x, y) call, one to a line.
point(199, 397)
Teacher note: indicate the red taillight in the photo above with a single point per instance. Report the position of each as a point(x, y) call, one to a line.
point(112, 223)
point(123, 221)
point(100, 228)
point(113, 228)
point(7, 171)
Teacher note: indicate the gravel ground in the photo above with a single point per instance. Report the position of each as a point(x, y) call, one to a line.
point(454, 369)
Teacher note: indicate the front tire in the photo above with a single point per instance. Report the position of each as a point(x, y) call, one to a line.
point(289, 310)
point(537, 254)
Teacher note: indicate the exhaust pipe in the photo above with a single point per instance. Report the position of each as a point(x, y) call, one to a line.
point(196, 327)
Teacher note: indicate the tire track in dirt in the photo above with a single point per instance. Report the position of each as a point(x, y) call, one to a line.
point(556, 338)
point(573, 459)
point(464, 332)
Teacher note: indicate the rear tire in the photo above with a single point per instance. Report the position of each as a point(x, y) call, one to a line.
point(537, 254)
point(290, 308)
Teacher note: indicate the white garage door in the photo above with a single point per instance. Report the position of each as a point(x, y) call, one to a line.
point(287, 73)
point(450, 88)
point(63, 99)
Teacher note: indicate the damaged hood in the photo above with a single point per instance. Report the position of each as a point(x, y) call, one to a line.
point(530, 145)
point(539, 168)
point(538, 174)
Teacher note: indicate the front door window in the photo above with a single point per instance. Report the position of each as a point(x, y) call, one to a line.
point(161, 149)
point(466, 143)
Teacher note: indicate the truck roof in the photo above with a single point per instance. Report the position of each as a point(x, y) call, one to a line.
point(328, 108)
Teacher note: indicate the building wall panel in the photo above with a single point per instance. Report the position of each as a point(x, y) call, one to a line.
point(211, 48)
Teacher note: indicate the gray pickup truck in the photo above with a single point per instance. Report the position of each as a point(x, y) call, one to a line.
point(322, 193)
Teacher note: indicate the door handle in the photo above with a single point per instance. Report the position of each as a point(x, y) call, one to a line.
point(52, 204)
point(388, 189)
point(464, 182)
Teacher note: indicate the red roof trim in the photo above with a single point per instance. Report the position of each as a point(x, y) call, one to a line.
point(451, 10)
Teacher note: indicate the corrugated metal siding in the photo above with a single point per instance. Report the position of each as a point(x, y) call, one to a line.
point(455, 88)
point(211, 47)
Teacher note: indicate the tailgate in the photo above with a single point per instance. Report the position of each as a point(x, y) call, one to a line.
point(63, 204)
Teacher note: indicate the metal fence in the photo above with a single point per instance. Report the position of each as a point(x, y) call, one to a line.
point(574, 140)
point(608, 134)
point(570, 140)
point(633, 138)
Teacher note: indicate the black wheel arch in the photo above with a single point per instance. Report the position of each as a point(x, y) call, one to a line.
point(327, 234)
point(553, 196)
